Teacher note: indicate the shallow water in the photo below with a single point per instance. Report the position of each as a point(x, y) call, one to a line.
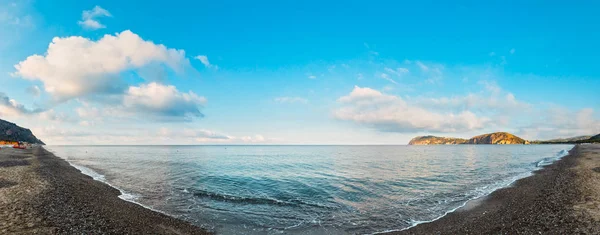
point(308, 189)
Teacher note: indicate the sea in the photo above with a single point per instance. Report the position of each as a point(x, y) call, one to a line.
point(308, 189)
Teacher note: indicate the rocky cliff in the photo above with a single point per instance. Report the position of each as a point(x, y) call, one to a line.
point(11, 132)
point(434, 140)
point(492, 138)
point(497, 138)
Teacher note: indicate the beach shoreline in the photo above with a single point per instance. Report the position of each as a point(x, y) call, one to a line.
point(42, 193)
point(560, 198)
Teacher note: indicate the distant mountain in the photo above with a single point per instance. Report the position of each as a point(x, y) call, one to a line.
point(572, 139)
point(11, 132)
point(491, 138)
point(435, 140)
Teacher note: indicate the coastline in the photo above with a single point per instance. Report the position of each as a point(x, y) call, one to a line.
point(42, 193)
point(561, 198)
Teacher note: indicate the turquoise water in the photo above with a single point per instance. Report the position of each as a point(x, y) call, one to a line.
point(308, 189)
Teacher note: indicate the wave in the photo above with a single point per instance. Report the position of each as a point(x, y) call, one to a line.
point(550, 160)
point(126, 196)
point(484, 193)
point(251, 200)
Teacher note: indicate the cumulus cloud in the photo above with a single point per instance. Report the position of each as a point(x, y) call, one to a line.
point(89, 18)
point(282, 100)
point(369, 107)
point(163, 100)
point(77, 66)
point(10, 107)
point(204, 60)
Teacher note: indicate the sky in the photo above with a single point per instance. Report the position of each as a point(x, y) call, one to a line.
point(298, 72)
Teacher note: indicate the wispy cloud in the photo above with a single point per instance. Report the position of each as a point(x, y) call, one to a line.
point(204, 60)
point(89, 18)
point(387, 77)
point(33, 90)
point(291, 100)
point(397, 72)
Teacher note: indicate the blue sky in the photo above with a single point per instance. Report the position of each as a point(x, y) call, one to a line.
point(304, 72)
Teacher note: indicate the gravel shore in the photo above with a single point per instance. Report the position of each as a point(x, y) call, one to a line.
point(562, 198)
point(41, 193)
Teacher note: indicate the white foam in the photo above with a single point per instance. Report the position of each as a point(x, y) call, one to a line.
point(126, 196)
point(414, 223)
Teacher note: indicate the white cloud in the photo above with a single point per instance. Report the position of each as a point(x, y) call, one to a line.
point(492, 100)
point(397, 72)
point(387, 77)
point(88, 112)
point(208, 136)
point(282, 100)
point(560, 122)
point(204, 60)
point(369, 107)
point(12, 108)
point(163, 101)
point(360, 76)
point(76, 66)
point(51, 115)
point(88, 18)
point(312, 77)
point(422, 66)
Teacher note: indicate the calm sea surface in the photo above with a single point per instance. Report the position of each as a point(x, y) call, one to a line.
point(307, 189)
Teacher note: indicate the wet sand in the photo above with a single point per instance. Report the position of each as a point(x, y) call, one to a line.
point(562, 198)
point(41, 193)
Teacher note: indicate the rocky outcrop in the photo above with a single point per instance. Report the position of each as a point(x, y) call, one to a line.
point(497, 138)
point(11, 132)
point(492, 138)
point(435, 140)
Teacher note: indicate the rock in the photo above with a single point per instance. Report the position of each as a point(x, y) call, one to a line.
point(492, 138)
point(435, 140)
point(11, 132)
point(497, 138)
